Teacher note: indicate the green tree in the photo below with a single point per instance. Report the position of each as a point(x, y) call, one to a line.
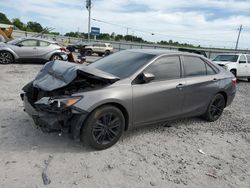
point(19, 24)
point(34, 26)
point(4, 19)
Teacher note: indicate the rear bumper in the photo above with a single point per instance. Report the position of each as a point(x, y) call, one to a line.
point(70, 121)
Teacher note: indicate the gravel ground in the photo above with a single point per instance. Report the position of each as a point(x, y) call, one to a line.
point(185, 153)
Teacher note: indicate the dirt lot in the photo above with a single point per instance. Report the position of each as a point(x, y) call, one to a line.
point(184, 153)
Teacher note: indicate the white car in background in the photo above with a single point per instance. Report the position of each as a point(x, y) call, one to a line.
point(98, 48)
point(238, 64)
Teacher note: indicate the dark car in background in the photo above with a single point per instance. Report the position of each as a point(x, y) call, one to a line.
point(76, 46)
point(127, 89)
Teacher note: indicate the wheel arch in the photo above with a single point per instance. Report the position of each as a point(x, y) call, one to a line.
point(121, 108)
point(224, 95)
point(55, 53)
point(12, 54)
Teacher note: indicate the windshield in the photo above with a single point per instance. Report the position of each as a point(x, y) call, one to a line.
point(231, 58)
point(15, 41)
point(122, 64)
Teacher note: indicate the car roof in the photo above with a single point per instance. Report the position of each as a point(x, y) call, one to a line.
point(36, 38)
point(159, 52)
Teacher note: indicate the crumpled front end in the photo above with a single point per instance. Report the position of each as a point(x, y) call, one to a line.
point(51, 97)
point(51, 114)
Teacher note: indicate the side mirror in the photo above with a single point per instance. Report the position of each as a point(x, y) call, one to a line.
point(147, 77)
point(20, 45)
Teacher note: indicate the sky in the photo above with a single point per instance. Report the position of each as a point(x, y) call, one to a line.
point(207, 23)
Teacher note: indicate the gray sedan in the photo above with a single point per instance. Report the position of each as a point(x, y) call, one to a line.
point(97, 103)
point(31, 50)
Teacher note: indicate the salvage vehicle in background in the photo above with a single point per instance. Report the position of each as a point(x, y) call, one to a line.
point(98, 48)
point(31, 50)
point(76, 46)
point(130, 88)
point(238, 64)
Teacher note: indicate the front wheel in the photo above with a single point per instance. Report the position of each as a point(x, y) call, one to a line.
point(233, 72)
point(107, 52)
point(6, 58)
point(215, 108)
point(103, 128)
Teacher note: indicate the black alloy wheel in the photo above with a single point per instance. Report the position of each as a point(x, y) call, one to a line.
point(103, 128)
point(215, 108)
point(106, 128)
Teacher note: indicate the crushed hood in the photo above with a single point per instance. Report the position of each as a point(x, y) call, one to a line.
point(57, 74)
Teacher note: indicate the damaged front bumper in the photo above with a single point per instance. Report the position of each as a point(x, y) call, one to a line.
point(50, 120)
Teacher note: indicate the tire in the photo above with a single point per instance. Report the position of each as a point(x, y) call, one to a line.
point(6, 58)
point(89, 52)
point(248, 79)
point(233, 72)
point(55, 57)
point(215, 108)
point(97, 131)
point(107, 52)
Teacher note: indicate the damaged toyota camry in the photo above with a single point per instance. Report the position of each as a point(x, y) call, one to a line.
point(98, 102)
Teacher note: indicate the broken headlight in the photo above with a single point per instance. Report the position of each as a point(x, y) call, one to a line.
point(57, 103)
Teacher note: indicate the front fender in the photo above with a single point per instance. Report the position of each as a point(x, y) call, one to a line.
point(10, 51)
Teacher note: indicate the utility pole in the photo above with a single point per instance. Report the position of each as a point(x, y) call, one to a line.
point(238, 38)
point(88, 7)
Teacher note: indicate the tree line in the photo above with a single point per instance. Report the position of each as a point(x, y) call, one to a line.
point(37, 27)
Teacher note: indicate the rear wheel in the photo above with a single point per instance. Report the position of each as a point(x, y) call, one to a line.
point(248, 79)
point(215, 108)
point(103, 128)
point(6, 57)
point(55, 57)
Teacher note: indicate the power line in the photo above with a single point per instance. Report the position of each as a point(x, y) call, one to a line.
point(153, 33)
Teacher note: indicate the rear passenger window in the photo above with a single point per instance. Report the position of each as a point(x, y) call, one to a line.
point(44, 43)
point(194, 66)
point(166, 68)
point(210, 71)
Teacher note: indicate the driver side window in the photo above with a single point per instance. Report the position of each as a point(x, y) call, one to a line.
point(29, 43)
point(165, 68)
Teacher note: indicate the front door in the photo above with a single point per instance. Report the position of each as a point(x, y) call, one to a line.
point(27, 49)
point(163, 97)
point(243, 66)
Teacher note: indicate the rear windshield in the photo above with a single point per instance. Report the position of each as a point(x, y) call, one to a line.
point(231, 58)
point(123, 64)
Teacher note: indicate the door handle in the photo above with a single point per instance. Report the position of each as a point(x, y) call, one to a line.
point(180, 86)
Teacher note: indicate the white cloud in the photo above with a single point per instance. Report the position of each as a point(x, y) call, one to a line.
point(180, 20)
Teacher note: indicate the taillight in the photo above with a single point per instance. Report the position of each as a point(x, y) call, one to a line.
point(63, 49)
point(234, 81)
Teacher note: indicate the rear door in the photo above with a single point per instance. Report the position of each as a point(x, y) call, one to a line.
point(161, 98)
point(201, 85)
point(243, 66)
point(27, 49)
point(43, 48)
